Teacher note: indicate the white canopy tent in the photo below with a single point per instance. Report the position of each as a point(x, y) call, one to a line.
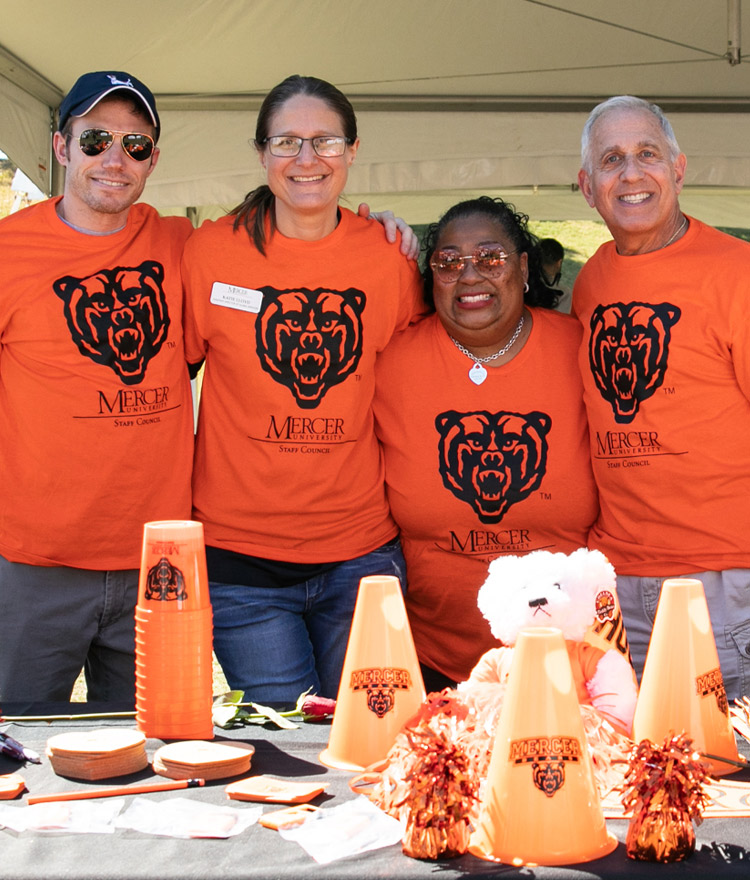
point(453, 97)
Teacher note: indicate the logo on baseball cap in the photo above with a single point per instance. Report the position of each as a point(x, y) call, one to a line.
point(90, 88)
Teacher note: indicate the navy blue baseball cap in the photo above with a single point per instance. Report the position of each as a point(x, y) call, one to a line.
point(90, 88)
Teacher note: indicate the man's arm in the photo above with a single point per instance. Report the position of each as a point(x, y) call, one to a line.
point(392, 224)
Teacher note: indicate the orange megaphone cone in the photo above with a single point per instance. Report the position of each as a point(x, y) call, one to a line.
point(381, 683)
point(682, 688)
point(540, 804)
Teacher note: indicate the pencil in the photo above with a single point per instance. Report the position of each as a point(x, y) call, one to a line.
point(113, 792)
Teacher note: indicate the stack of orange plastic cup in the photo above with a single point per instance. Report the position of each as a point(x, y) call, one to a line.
point(173, 634)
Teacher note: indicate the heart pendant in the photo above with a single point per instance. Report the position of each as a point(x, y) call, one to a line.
point(477, 374)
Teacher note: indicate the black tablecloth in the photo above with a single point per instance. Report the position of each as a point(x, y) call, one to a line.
point(723, 848)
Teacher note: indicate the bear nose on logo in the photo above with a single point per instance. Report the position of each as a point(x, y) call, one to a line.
point(537, 603)
point(123, 317)
point(311, 340)
point(491, 457)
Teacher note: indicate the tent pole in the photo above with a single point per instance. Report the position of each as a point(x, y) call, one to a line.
point(734, 55)
point(55, 172)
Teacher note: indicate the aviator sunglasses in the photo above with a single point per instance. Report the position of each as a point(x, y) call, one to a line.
point(94, 141)
point(488, 261)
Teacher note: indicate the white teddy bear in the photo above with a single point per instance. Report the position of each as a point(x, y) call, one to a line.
point(573, 593)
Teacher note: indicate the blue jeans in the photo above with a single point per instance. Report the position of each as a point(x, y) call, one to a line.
point(55, 620)
point(274, 643)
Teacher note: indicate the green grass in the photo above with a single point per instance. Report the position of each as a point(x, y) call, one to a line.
point(744, 234)
point(580, 238)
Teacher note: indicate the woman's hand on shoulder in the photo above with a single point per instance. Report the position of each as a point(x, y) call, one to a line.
point(392, 224)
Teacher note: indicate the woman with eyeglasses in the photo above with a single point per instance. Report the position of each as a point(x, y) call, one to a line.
point(479, 409)
point(290, 300)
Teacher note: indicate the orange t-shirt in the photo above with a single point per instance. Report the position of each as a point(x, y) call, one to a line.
point(479, 471)
point(287, 464)
point(666, 364)
point(95, 407)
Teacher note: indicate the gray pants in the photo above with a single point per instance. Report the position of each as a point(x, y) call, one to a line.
point(728, 597)
point(56, 621)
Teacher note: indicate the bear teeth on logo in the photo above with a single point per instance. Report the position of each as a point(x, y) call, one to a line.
point(489, 485)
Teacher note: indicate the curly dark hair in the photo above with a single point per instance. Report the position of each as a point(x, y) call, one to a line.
point(515, 226)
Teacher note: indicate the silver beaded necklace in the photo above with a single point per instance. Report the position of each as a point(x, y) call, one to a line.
point(478, 373)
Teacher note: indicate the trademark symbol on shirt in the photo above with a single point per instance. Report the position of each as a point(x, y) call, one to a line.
point(669, 390)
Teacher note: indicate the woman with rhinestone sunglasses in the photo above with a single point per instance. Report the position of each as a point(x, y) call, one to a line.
point(290, 300)
point(479, 409)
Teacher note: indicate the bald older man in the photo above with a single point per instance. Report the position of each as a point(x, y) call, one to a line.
point(666, 364)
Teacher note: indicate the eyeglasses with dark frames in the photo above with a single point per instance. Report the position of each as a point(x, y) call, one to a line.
point(287, 146)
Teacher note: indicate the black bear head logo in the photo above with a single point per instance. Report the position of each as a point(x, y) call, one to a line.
point(548, 776)
point(117, 317)
point(165, 582)
point(492, 460)
point(628, 352)
point(310, 340)
point(381, 700)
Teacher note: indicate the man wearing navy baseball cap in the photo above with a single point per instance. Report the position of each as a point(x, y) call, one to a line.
point(96, 424)
point(91, 88)
point(105, 110)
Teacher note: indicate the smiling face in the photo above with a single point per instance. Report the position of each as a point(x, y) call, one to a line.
point(479, 312)
point(307, 187)
point(99, 190)
point(634, 182)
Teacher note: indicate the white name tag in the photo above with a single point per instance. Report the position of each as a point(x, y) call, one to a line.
point(232, 297)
